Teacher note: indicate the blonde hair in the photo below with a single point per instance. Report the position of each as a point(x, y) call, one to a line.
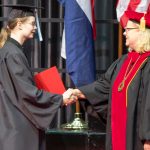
point(4, 35)
point(143, 43)
point(5, 31)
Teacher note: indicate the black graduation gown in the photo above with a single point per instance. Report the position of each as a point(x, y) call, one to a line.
point(24, 109)
point(138, 109)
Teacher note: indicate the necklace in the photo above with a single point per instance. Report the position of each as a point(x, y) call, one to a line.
point(127, 73)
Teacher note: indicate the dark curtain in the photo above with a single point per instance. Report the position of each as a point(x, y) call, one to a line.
point(106, 41)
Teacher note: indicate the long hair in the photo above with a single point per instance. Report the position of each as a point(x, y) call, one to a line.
point(4, 35)
point(5, 31)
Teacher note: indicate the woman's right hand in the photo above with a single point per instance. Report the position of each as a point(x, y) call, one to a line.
point(78, 93)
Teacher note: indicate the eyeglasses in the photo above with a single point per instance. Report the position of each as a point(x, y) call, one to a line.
point(31, 23)
point(128, 29)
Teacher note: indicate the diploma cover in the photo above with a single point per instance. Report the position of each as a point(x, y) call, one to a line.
point(49, 80)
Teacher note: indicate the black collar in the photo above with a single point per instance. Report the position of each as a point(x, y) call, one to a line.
point(15, 42)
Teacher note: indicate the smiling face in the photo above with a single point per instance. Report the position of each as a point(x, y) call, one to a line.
point(28, 27)
point(131, 34)
point(22, 29)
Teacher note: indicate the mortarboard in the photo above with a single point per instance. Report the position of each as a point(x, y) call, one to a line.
point(142, 18)
point(23, 10)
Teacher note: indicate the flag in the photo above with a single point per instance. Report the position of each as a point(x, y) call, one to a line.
point(134, 5)
point(78, 42)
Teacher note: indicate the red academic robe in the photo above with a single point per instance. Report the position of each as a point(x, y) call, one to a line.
point(99, 96)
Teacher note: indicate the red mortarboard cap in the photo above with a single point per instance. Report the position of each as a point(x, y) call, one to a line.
point(137, 16)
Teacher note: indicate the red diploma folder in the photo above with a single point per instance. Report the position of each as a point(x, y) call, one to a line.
point(50, 81)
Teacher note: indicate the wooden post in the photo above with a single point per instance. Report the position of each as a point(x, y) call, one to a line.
point(77, 106)
point(120, 40)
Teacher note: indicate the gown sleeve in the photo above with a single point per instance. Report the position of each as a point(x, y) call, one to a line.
point(144, 128)
point(38, 106)
point(98, 93)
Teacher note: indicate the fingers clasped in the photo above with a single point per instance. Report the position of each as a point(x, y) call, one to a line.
point(69, 97)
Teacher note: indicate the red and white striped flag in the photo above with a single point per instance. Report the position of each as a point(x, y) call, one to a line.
point(134, 5)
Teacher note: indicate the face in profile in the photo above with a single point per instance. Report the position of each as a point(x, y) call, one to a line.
point(131, 34)
point(29, 27)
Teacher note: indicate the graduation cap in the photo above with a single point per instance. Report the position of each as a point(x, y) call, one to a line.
point(142, 18)
point(23, 10)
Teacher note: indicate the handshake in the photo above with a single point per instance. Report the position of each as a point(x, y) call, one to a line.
point(71, 96)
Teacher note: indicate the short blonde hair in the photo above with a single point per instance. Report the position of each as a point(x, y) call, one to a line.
point(143, 43)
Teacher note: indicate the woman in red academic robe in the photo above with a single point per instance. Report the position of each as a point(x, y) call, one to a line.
point(125, 90)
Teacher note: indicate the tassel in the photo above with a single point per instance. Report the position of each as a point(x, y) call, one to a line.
point(142, 23)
